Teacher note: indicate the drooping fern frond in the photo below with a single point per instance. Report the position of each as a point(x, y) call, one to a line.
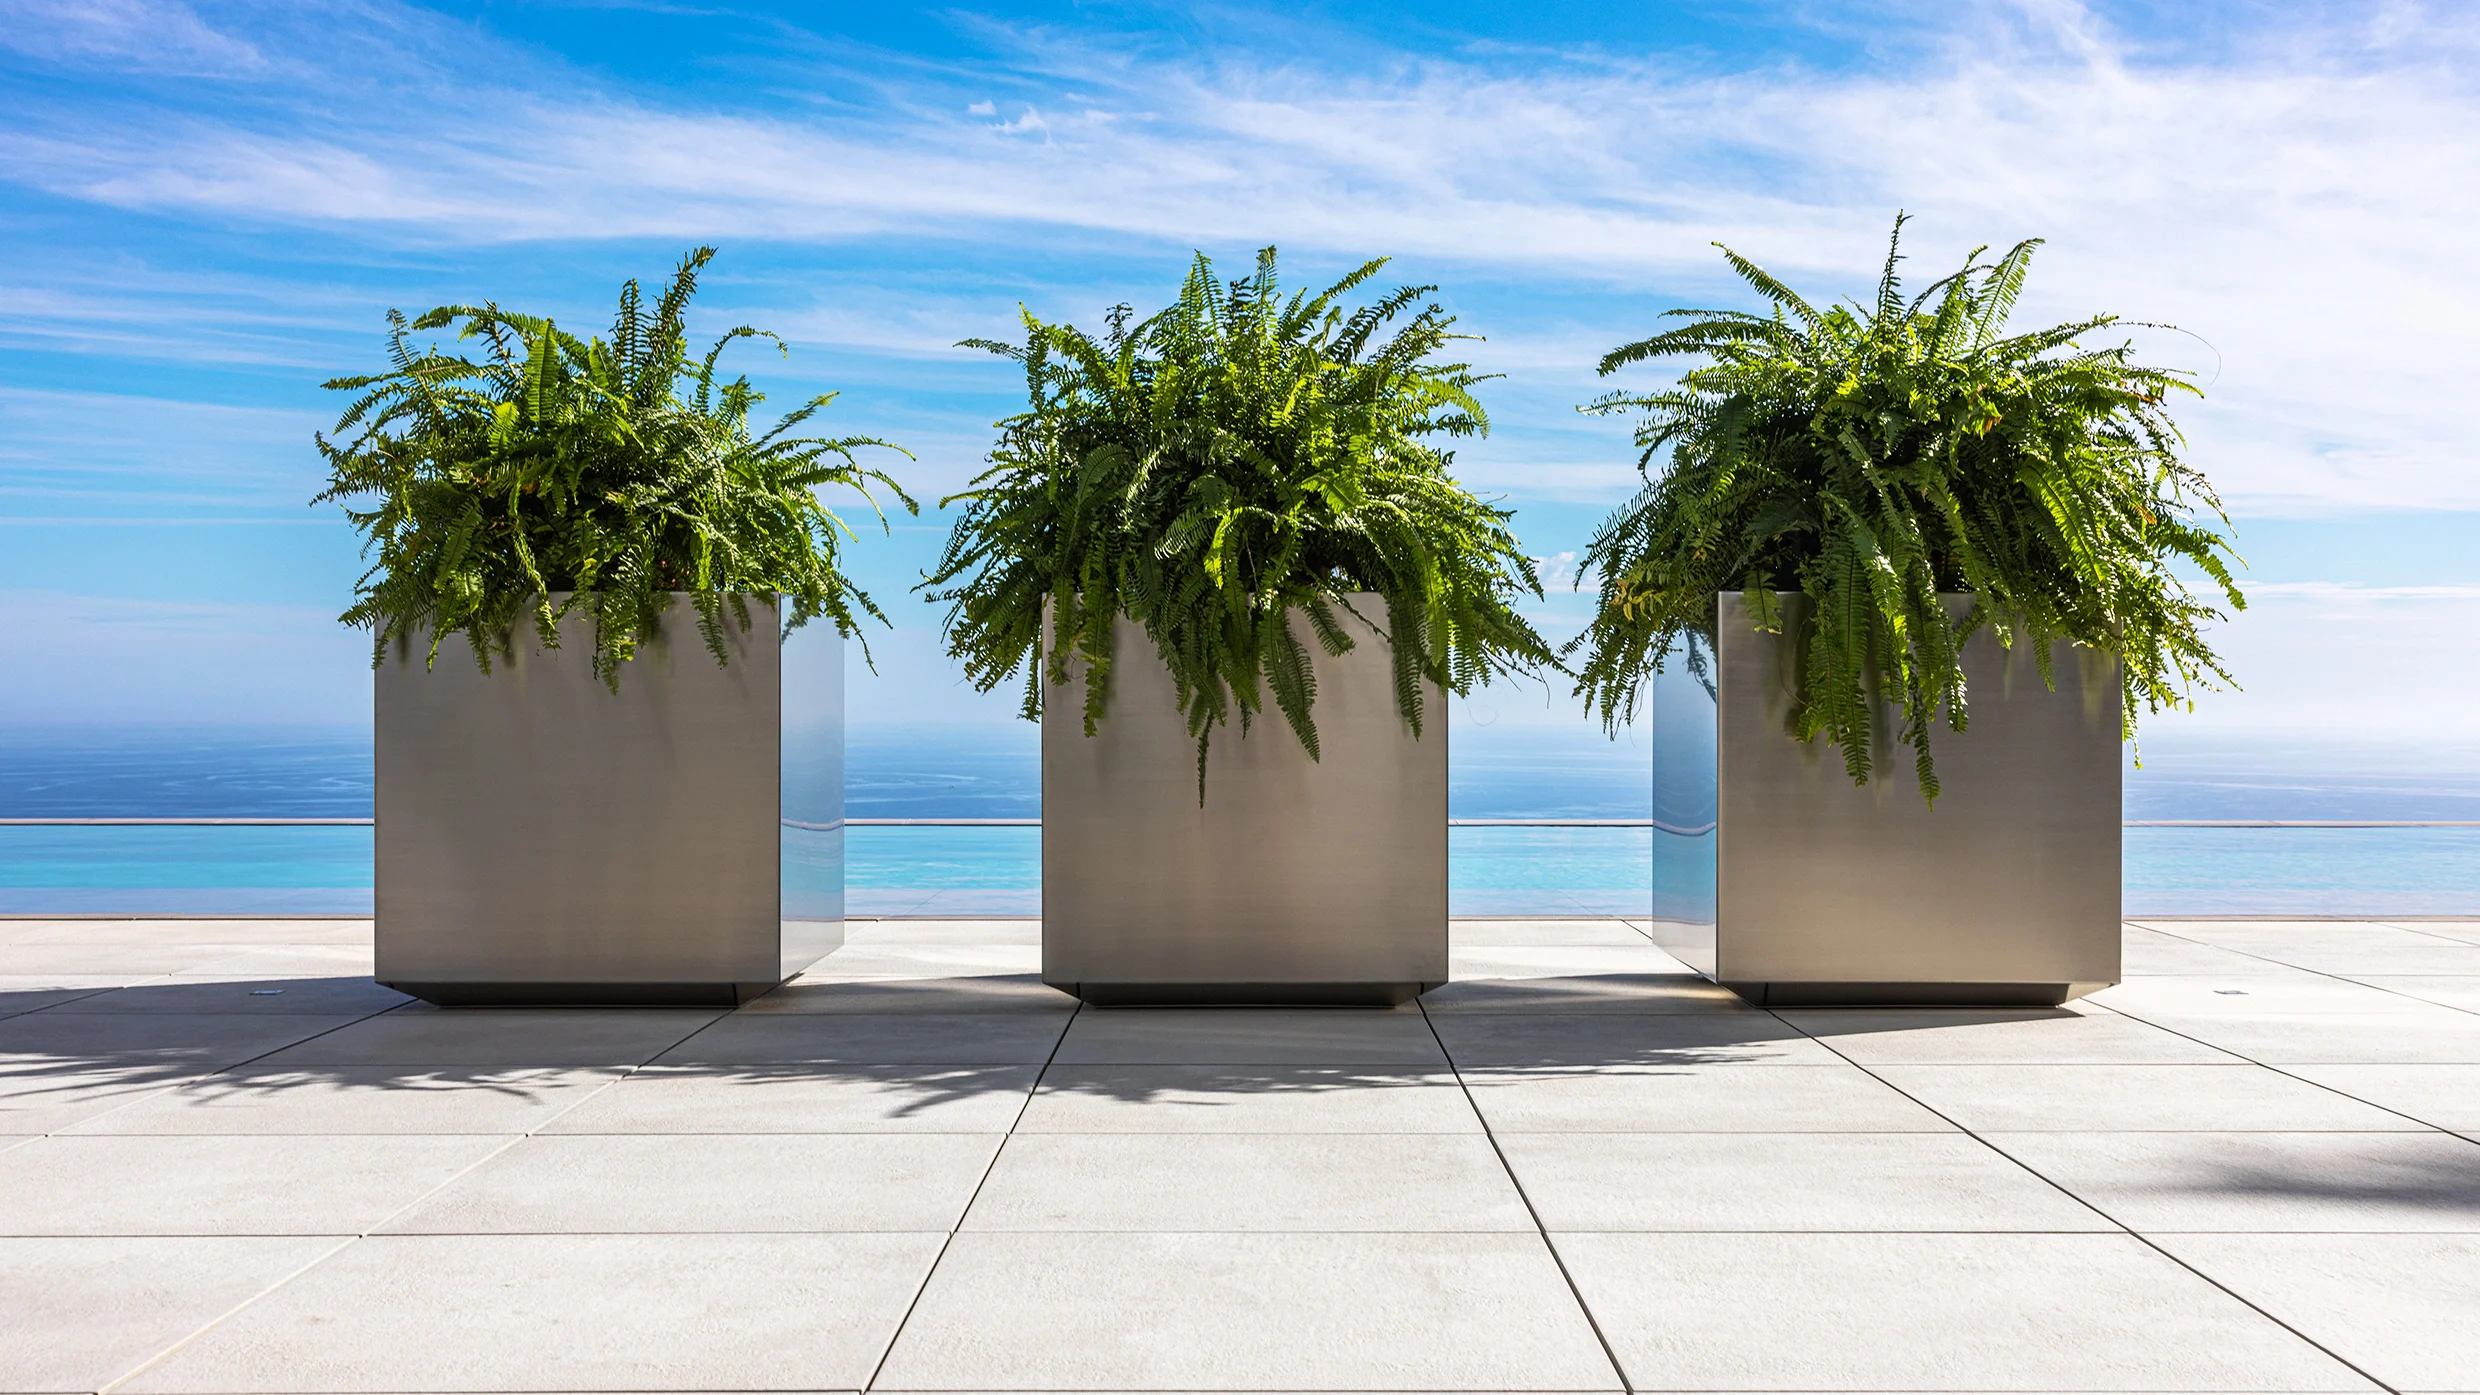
point(1216, 467)
point(619, 471)
point(1872, 457)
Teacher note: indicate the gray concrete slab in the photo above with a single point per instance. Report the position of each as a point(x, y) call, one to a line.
point(358, 1100)
point(1248, 1182)
point(1250, 1312)
point(985, 993)
point(2397, 1306)
point(2073, 1035)
point(2088, 1099)
point(539, 1037)
point(1782, 1182)
point(1495, 933)
point(1251, 1037)
point(2264, 1181)
point(2445, 1096)
point(28, 992)
point(2421, 1034)
point(56, 1094)
point(210, 1040)
point(918, 961)
point(749, 1039)
point(333, 996)
point(1929, 1312)
point(568, 1312)
point(1248, 1099)
point(1617, 992)
point(806, 1099)
point(224, 1184)
point(82, 1312)
point(1506, 1040)
point(743, 1184)
point(1695, 1098)
point(2458, 991)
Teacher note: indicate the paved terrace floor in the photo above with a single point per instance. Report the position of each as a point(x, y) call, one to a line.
point(232, 1163)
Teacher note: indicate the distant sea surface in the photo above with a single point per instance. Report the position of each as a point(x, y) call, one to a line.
point(978, 772)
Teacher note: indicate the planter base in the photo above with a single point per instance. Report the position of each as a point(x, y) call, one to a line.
point(586, 994)
point(1245, 994)
point(1838, 994)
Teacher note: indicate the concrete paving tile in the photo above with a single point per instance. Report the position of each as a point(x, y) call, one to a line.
point(873, 1039)
point(1647, 992)
point(241, 932)
point(2468, 931)
point(2252, 996)
point(1485, 1040)
point(2446, 1096)
point(136, 961)
point(2458, 991)
point(986, 993)
point(568, 1312)
point(1928, 1312)
point(738, 1183)
point(223, 1184)
point(30, 992)
point(1248, 1182)
point(2340, 947)
point(807, 1099)
point(1694, 1098)
point(210, 1039)
point(1994, 1036)
point(2397, 1306)
point(1252, 1312)
point(1802, 1181)
point(196, 994)
point(46, 1098)
point(1559, 961)
point(2156, 953)
point(1019, 931)
point(926, 961)
point(538, 1037)
point(357, 1100)
point(2264, 1181)
point(1251, 1037)
point(2089, 1099)
point(289, 961)
point(2407, 1037)
point(1483, 934)
point(85, 1311)
point(1247, 1099)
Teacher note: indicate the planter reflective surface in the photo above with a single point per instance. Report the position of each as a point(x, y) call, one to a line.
point(1295, 881)
point(541, 839)
point(1777, 877)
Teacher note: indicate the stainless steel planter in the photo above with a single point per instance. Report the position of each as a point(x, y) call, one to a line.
point(543, 840)
point(1778, 878)
point(1297, 881)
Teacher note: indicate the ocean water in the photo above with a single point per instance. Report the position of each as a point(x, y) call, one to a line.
point(1513, 772)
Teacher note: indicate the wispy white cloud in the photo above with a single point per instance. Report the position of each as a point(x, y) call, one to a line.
point(150, 36)
point(2305, 214)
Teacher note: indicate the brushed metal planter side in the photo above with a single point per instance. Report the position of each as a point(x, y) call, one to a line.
point(1297, 881)
point(2006, 892)
point(542, 840)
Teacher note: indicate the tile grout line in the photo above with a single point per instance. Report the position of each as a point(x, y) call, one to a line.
point(2124, 1228)
point(1609, 1353)
point(966, 1210)
point(349, 1241)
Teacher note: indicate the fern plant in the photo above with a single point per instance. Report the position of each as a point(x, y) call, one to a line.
point(1213, 468)
point(1872, 456)
point(618, 471)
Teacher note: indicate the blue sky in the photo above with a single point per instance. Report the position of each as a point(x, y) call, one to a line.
point(207, 207)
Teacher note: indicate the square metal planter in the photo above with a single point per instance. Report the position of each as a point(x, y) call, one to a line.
point(1297, 881)
point(1776, 877)
point(544, 840)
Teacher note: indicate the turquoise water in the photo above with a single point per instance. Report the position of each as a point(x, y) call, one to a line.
point(997, 871)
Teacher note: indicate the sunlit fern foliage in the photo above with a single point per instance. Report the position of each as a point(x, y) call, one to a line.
point(1210, 469)
point(1872, 456)
point(619, 470)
